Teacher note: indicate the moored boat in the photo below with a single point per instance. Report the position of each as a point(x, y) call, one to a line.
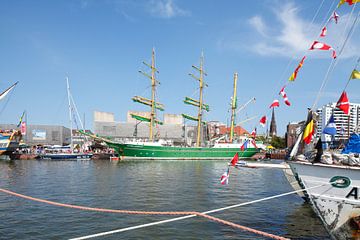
point(155, 150)
point(66, 152)
point(337, 203)
point(62, 153)
point(136, 151)
point(65, 156)
point(9, 141)
point(330, 180)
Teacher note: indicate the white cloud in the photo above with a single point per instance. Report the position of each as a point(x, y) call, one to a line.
point(258, 23)
point(295, 31)
point(291, 34)
point(166, 9)
point(285, 33)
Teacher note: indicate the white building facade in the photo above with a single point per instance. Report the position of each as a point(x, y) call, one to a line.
point(345, 124)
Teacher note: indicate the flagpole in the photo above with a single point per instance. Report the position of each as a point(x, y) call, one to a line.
point(25, 138)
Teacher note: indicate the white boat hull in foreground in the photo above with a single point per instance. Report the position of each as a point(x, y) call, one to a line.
point(337, 205)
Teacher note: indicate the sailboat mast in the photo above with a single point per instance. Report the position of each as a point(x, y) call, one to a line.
point(233, 109)
point(153, 86)
point(201, 82)
point(70, 114)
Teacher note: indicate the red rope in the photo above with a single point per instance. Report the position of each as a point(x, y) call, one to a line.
point(234, 225)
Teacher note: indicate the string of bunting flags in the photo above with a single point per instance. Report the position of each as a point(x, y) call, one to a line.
point(342, 104)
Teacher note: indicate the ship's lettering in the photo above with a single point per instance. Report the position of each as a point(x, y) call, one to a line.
point(353, 193)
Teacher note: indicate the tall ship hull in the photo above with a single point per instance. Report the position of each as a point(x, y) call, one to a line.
point(338, 204)
point(134, 151)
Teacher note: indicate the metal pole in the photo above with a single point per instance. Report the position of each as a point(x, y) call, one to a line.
point(233, 109)
point(70, 114)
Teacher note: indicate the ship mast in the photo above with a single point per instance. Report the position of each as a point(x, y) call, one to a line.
point(198, 103)
point(233, 108)
point(153, 88)
point(150, 102)
point(70, 114)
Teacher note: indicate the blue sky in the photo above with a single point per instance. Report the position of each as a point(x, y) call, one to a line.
point(100, 45)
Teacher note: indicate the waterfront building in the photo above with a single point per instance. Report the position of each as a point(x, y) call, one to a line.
point(345, 124)
point(293, 130)
point(43, 134)
point(173, 128)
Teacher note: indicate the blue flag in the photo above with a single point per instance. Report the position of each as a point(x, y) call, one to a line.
point(330, 128)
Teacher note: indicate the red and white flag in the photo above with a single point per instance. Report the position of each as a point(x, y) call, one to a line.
point(343, 103)
point(323, 32)
point(263, 121)
point(283, 94)
point(235, 159)
point(334, 54)
point(253, 133)
point(322, 46)
point(224, 179)
point(23, 128)
point(275, 103)
point(335, 16)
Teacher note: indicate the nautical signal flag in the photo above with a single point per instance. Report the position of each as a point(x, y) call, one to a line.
point(21, 119)
point(323, 32)
point(263, 121)
point(355, 74)
point(245, 145)
point(23, 128)
point(335, 16)
point(322, 46)
point(275, 103)
point(343, 103)
point(235, 159)
point(283, 94)
point(350, 2)
point(330, 127)
point(294, 74)
point(253, 133)
point(224, 179)
point(309, 129)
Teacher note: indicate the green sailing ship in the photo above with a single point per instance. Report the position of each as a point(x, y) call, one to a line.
point(153, 150)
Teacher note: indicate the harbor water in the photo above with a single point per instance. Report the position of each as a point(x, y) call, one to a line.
point(150, 186)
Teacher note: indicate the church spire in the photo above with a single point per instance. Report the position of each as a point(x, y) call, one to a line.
point(273, 124)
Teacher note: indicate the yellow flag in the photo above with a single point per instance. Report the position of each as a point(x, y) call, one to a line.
point(350, 2)
point(355, 74)
point(308, 132)
point(292, 77)
point(294, 74)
